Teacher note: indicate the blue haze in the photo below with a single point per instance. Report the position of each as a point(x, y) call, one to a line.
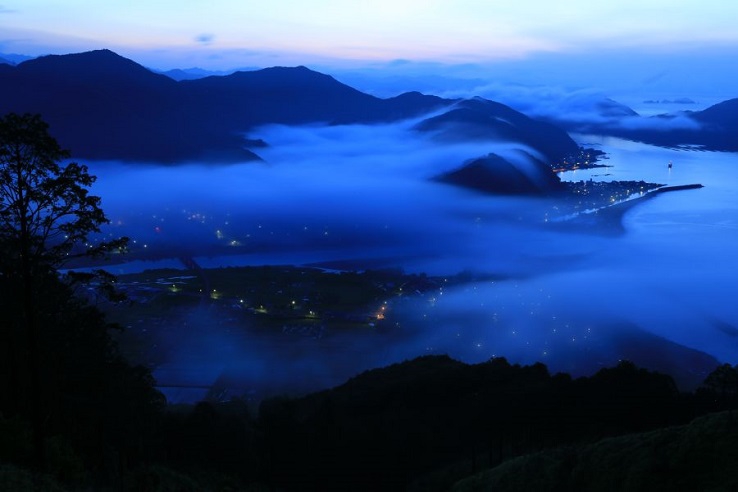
point(363, 194)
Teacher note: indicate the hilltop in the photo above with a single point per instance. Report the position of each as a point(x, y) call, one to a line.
point(103, 106)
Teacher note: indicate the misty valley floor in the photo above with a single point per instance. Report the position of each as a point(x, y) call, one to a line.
point(252, 332)
point(184, 323)
point(628, 282)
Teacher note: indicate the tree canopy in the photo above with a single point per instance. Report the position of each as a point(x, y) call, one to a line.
point(58, 362)
point(46, 212)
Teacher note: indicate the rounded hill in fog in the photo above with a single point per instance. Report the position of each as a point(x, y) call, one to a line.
point(496, 174)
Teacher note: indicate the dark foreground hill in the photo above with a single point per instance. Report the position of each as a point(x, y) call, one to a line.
point(698, 456)
point(418, 424)
point(423, 425)
point(103, 106)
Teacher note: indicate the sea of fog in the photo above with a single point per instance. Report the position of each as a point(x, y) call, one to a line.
point(574, 298)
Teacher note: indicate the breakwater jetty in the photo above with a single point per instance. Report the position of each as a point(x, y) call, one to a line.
point(664, 189)
point(608, 220)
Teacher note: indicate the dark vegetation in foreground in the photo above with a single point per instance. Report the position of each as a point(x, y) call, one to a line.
point(418, 425)
point(697, 456)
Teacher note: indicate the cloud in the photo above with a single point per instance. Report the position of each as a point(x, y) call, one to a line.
point(662, 123)
point(205, 38)
point(577, 110)
point(340, 191)
point(360, 194)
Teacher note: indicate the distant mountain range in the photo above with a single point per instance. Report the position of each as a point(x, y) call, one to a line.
point(106, 107)
point(194, 73)
point(714, 128)
point(103, 106)
point(13, 58)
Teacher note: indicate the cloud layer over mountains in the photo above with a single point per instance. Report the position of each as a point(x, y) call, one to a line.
point(103, 106)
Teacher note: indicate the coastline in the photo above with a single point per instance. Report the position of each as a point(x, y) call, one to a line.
point(608, 220)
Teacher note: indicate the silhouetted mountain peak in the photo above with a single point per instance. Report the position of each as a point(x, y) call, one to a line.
point(496, 174)
point(611, 108)
point(724, 114)
point(102, 105)
point(416, 96)
point(481, 112)
point(89, 68)
point(482, 119)
point(104, 59)
point(468, 116)
point(276, 79)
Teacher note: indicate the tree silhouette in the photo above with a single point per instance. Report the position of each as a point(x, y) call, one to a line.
point(46, 217)
point(723, 382)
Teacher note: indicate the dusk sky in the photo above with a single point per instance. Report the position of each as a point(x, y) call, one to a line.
point(223, 34)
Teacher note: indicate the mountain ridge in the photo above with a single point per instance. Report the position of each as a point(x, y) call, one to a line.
point(713, 128)
point(104, 106)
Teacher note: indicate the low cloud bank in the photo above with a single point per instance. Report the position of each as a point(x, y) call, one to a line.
point(570, 299)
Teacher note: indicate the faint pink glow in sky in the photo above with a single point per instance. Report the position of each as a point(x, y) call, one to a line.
point(226, 33)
